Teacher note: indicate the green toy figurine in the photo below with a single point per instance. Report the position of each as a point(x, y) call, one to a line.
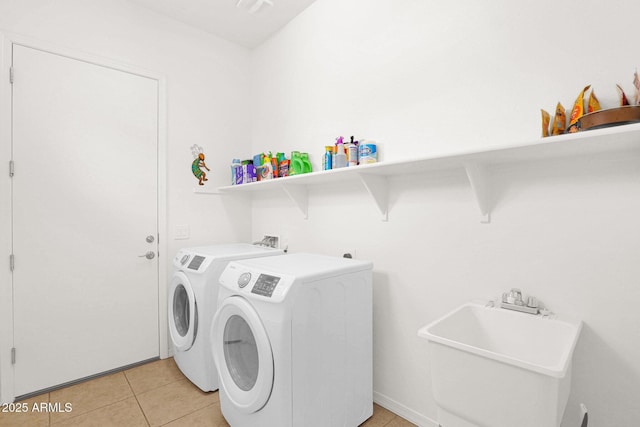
point(198, 164)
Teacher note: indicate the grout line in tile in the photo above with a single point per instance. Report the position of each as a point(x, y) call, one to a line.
point(128, 383)
point(135, 395)
point(156, 387)
point(142, 410)
point(185, 415)
point(52, 424)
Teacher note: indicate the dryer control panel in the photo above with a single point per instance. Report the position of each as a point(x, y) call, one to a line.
point(193, 262)
point(265, 285)
point(196, 262)
point(255, 283)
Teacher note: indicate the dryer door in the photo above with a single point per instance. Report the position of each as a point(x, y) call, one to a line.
point(183, 314)
point(242, 352)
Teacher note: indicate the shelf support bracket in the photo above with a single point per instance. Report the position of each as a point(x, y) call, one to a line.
point(378, 188)
point(299, 195)
point(477, 174)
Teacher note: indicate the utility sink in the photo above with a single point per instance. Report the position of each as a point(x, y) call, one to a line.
point(492, 367)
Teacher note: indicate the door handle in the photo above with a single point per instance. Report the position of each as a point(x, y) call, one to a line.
point(148, 255)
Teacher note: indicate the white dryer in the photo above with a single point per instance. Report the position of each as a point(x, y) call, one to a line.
point(292, 340)
point(192, 303)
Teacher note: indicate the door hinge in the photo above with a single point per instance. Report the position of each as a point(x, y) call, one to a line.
point(13, 355)
point(12, 263)
point(12, 168)
point(11, 75)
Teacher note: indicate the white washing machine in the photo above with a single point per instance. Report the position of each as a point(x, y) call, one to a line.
point(292, 339)
point(192, 303)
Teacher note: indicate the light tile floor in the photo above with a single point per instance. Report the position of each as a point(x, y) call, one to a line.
point(154, 394)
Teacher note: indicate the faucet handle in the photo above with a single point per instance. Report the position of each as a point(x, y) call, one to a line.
point(516, 294)
point(532, 302)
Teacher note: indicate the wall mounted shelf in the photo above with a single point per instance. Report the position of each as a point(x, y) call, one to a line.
point(476, 164)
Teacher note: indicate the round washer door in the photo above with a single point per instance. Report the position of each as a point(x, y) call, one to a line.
point(183, 320)
point(242, 352)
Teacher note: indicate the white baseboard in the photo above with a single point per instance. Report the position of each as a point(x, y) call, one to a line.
point(406, 413)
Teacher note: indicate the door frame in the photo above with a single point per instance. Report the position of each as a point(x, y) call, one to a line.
point(7, 40)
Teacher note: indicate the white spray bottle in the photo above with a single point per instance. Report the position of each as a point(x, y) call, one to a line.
point(340, 160)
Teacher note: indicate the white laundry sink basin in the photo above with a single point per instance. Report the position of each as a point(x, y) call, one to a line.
point(500, 368)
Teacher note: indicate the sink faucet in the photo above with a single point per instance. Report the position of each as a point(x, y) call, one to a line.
point(513, 301)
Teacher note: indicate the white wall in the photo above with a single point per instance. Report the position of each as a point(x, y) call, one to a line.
point(436, 77)
point(207, 94)
point(421, 78)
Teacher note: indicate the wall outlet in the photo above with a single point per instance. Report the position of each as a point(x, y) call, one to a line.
point(181, 232)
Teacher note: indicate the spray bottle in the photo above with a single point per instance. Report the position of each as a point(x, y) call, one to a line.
point(340, 160)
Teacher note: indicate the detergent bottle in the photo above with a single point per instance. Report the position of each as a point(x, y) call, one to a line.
point(267, 166)
point(296, 167)
point(236, 172)
point(306, 163)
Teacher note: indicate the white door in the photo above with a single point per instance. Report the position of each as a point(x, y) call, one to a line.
point(242, 351)
point(85, 141)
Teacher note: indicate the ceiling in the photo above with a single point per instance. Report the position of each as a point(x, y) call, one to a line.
point(231, 19)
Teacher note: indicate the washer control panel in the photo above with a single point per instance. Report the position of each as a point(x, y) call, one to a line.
point(256, 283)
point(196, 262)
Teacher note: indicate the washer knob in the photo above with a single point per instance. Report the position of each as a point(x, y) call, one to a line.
point(244, 279)
point(184, 259)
